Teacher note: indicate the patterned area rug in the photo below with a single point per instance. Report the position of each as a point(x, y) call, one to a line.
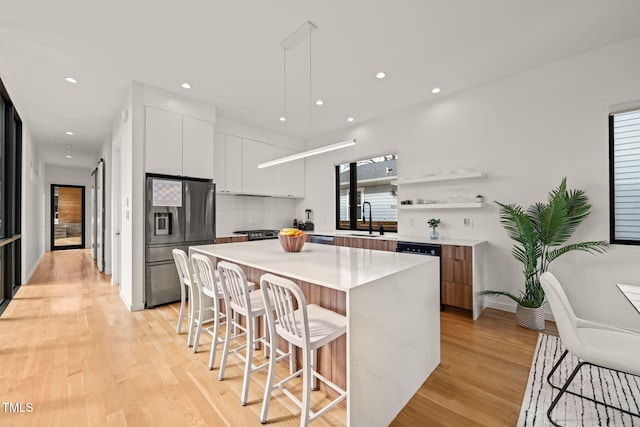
point(615, 388)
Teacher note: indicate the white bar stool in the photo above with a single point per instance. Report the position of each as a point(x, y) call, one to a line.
point(309, 328)
point(207, 286)
point(241, 300)
point(186, 286)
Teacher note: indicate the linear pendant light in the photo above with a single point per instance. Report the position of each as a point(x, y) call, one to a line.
point(308, 153)
point(292, 40)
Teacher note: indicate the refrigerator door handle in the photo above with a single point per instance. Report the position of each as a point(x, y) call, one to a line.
point(209, 212)
point(187, 208)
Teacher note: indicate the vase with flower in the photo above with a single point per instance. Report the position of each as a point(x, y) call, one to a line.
point(433, 223)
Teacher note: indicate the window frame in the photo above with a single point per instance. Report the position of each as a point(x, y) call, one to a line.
point(352, 189)
point(612, 198)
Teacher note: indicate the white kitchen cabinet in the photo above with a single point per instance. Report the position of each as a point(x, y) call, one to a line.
point(163, 137)
point(236, 168)
point(283, 180)
point(178, 145)
point(233, 159)
point(290, 180)
point(220, 162)
point(228, 163)
point(254, 180)
point(197, 148)
point(297, 183)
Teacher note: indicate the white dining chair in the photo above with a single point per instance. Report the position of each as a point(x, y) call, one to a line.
point(308, 327)
point(592, 343)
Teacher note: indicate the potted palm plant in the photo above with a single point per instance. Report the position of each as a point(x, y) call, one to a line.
point(541, 234)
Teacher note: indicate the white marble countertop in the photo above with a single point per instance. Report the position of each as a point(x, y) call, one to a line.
point(334, 267)
point(398, 237)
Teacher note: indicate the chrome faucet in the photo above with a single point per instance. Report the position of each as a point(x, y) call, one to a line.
point(364, 216)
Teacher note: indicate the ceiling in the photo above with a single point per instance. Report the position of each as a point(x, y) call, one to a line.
point(229, 52)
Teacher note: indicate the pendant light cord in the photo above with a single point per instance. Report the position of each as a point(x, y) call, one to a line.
point(310, 93)
point(284, 83)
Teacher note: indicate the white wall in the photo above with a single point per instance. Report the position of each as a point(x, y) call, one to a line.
point(33, 211)
point(525, 132)
point(68, 176)
point(128, 139)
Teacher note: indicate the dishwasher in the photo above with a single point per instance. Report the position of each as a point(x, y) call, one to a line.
point(427, 249)
point(323, 240)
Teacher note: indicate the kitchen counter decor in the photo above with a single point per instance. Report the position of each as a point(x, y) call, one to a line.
point(292, 239)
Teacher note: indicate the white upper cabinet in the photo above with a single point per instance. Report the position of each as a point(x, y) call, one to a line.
point(228, 163)
point(254, 180)
point(178, 145)
point(163, 142)
point(220, 162)
point(297, 184)
point(197, 148)
point(236, 168)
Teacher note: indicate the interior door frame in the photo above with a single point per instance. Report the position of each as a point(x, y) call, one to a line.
point(52, 215)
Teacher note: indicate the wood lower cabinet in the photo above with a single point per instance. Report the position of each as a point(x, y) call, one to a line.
point(232, 239)
point(457, 276)
point(366, 243)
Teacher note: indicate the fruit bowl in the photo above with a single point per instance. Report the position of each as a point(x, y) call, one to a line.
point(292, 243)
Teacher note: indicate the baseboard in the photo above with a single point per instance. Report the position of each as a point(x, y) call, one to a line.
point(126, 301)
point(137, 307)
point(25, 280)
point(510, 307)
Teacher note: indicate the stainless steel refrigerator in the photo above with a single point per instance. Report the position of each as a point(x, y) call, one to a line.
point(180, 212)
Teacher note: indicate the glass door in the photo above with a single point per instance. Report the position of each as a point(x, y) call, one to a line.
point(67, 217)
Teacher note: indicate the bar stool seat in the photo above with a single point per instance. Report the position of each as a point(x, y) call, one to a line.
point(308, 327)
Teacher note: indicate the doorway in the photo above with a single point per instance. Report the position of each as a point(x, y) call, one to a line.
point(67, 217)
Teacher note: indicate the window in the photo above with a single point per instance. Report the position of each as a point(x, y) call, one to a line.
point(624, 177)
point(368, 180)
point(10, 197)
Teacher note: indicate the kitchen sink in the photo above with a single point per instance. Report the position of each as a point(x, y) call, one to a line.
point(361, 235)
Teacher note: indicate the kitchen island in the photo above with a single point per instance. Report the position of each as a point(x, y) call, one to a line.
point(391, 301)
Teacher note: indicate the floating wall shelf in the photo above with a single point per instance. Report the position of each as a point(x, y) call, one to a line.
point(442, 177)
point(441, 206)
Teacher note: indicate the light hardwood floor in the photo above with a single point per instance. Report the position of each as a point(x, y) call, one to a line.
point(69, 347)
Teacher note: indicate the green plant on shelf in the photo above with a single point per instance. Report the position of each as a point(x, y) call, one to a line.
point(434, 223)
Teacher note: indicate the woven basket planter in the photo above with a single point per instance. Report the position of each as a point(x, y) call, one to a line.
point(530, 318)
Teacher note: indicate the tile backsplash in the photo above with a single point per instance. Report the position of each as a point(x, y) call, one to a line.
point(236, 212)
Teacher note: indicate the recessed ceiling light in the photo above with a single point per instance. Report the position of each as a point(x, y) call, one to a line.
point(68, 145)
point(186, 85)
point(381, 75)
point(69, 133)
point(350, 119)
point(319, 102)
point(435, 90)
point(68, 156)
point(283, 119)
point(71, 80)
